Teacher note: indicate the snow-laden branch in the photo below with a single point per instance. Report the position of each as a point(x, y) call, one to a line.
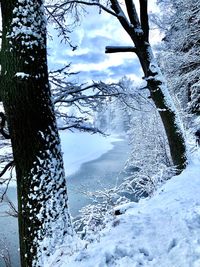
point(83, 128)
point(75, 105)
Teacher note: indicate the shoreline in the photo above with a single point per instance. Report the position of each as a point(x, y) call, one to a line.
point(103, 172)
point(83, 147)
point(113, 143)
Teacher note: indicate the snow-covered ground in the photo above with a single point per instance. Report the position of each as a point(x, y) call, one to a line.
point(83, 147)
point(161, 231)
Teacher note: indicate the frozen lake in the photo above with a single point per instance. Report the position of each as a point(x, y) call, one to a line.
point(91, 162)
point(103, 172)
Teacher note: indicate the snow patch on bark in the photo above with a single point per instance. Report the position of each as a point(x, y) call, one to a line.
point(158, 76)
point(22, 75)
point(28, 27)
point(49, 189)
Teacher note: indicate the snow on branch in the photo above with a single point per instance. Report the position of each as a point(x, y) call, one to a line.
point(75, 105)
point(120, 15)
point(82, 128)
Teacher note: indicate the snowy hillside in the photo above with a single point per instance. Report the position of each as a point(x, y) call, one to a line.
point(162, 231)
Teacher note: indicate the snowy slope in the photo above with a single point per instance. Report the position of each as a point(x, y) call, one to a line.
point(162, 231)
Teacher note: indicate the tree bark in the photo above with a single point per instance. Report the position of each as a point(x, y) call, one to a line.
point(44, 220)
point(164, 104)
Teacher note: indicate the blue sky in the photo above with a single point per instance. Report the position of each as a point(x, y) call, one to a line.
point(95, 32)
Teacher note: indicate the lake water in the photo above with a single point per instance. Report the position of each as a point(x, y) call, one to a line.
point(9, 232)
point(100, 173)
point(105, 171)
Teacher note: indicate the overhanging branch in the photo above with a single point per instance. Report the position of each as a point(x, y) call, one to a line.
point(94, 3)
point(118, 49)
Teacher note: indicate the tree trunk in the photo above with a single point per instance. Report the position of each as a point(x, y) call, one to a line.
point(165, 106)
point(44, 220)
point(138, 30)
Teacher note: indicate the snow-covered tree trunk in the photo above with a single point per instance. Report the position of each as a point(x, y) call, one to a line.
point(44, 220)
point(165, 106)
point(138, 30)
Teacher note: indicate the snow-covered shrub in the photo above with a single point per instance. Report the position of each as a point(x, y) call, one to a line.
point(143, 183)
point(5, 254)
point(149, 163)
point(93, 217)
point(148, 166)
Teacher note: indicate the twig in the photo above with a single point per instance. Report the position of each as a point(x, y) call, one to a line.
point(2, 126)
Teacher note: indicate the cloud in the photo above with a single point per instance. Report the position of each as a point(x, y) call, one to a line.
point(87, 58)
point(109, 71)
point(127, 68)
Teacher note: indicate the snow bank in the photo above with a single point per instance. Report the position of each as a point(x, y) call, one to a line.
point(162, 231)
point(83, 147)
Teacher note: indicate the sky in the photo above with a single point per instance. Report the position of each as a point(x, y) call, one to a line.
point(95, 32)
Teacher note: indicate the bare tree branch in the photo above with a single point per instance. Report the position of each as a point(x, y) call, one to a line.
point(94, 3)
point(144, 18)
point(8, 166)
point(116, 49)
point(121, 16)
point(13, 210)
point(2, 126)
point(132, 13)
point(63, 30)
